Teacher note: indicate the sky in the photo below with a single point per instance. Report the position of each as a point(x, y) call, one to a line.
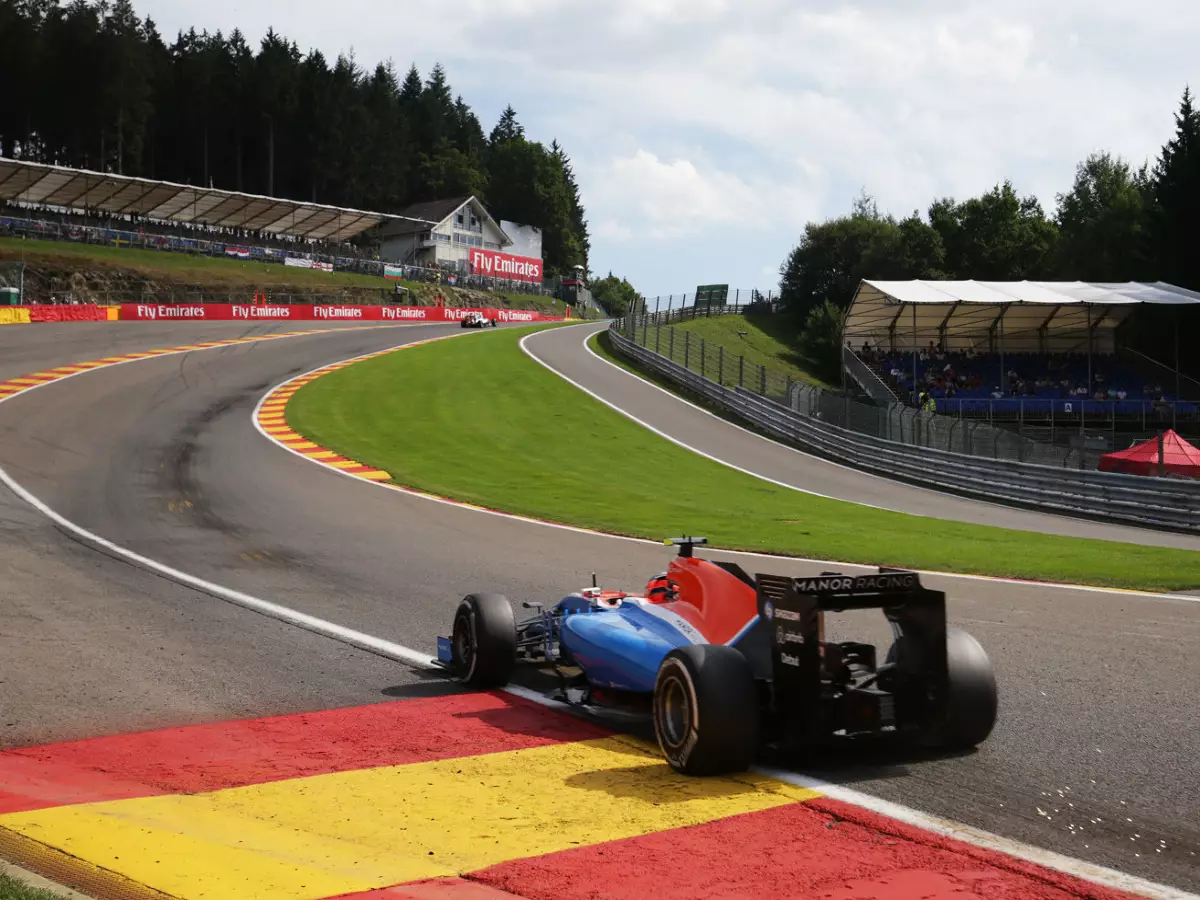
point(705, 134)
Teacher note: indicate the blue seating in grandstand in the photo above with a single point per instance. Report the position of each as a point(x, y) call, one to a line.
point(986, 373)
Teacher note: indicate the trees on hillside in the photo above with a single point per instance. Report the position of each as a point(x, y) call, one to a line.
point(1102, 221)
point(1114, 224)
point(94, 87)
point(616, 295)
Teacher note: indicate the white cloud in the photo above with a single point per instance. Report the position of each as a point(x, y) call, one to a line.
point(676, 197)
point(730, 124)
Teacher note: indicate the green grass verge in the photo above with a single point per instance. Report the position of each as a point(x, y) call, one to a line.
point(11, 889)
point(212, 272)
point(764, 339)
point(474, 419)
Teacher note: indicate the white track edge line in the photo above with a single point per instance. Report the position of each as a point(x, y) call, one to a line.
point(417, 660)
point(966, 577)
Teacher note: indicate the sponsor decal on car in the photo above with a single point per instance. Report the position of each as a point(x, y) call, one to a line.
point(847, 584)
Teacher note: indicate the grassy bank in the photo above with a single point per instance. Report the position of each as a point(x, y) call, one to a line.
point(763, 339)
point(106, 271)
point(476, 420)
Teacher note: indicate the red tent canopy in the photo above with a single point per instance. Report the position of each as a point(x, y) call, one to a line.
point(1178, 458)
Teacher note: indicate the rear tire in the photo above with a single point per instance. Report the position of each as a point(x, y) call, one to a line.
point(972, 700)
point(484, 641)
point(706, 710)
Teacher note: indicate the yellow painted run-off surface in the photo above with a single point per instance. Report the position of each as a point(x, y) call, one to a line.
point(355, 831)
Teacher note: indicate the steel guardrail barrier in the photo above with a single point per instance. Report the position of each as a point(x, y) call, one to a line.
point(1153, 502)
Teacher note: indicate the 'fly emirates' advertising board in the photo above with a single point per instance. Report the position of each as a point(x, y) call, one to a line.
point(224, 312)
point(495, 264)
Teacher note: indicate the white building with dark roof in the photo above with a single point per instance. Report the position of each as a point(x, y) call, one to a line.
point(444, 232)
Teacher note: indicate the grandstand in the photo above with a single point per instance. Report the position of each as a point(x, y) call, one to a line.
point(57, 203)
point(231, 212)
point(1002, 349)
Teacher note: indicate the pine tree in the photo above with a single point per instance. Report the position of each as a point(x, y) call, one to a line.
point(507, 129)
point(1175, 216)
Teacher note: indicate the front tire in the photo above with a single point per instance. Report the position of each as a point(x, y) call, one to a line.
point(706, 710)
point(484, 641)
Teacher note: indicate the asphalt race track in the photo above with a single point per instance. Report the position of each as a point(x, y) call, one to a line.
point(161, 457)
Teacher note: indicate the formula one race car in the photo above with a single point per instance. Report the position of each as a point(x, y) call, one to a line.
point(728, 665)
point(477, 320)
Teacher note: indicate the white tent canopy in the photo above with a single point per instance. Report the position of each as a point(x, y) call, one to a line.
point(1019, 316)
point(42, 185)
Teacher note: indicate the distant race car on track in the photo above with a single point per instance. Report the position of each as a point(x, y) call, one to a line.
point(727, 664)
point(477, 320)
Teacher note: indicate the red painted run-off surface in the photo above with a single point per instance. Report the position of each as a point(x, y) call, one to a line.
point(819, 849)
point(234, 754)
point(150, 312)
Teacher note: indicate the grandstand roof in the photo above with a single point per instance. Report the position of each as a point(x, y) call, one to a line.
point(921, 311)
point(35, 183)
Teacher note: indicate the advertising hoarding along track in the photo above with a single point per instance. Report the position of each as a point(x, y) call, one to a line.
point(231, 312)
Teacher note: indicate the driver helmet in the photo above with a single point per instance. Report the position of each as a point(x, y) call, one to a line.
point(661, 589)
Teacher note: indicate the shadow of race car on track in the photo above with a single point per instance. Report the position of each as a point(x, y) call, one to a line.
point(728, 666)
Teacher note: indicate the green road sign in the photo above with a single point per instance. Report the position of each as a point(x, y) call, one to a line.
point(712, 295)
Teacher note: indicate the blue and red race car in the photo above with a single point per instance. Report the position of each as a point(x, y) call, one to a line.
point(727, 664)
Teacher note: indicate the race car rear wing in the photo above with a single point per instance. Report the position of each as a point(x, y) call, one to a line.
point(794, 611)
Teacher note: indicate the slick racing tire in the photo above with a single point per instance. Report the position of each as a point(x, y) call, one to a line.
point(484, 641)
point(706, 710)
point(972, 700)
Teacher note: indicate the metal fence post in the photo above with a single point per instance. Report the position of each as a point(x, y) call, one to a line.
point(721, 364)
point(687, 349)
point(657, 336)
point(702, 355)
point(762, 379)
point(671, 342)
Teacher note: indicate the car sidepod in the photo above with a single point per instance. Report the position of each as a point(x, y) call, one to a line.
point(623, 648)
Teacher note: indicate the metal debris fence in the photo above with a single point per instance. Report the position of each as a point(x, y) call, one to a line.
point(1078, 443)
